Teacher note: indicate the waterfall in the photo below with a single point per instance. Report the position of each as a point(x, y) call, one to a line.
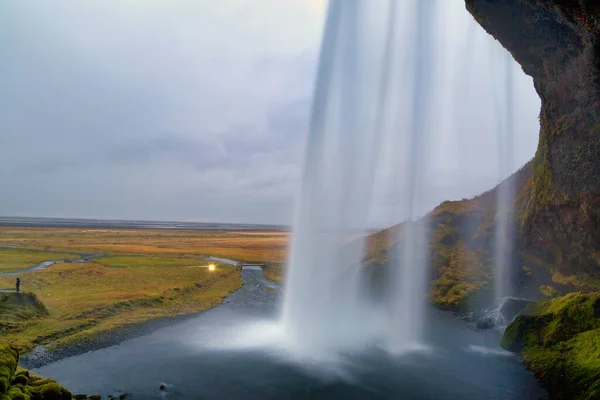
point(375, 105)
point(322, 303)
point(409, 277)
point(362, 69)
point(504, 229)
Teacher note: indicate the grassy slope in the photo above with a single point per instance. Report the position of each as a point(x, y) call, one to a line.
point(460, 247)
point(462, 252)
point(86, 299)
point(16, 260)
point(560, 342)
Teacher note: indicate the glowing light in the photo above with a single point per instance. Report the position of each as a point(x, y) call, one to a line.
point(211, 267)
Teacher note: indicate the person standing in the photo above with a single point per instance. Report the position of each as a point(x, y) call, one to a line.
point(18, 284)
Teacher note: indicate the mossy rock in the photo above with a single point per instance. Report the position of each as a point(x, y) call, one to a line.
point(552, 321)
point(549, 291)
point(560, 342)
point(23, 385)
point(9, 358)
point(21, 378)
point(17, 393)
point(53, 391)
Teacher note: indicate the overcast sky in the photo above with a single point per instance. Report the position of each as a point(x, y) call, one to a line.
point(190, 110)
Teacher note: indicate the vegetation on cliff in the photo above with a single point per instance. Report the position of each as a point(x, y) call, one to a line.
point(20, 384)
point(559, 340)
point(557, 43)
point(461, 237)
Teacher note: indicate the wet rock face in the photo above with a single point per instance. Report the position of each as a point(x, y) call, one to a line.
point(557, 42)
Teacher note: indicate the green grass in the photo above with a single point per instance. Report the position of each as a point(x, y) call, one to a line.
point(152, 261)
point(16, 309)
point(17, 260)
point(84, 300)
point(275, 272)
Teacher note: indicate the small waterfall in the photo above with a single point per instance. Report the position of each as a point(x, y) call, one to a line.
point(504, 229)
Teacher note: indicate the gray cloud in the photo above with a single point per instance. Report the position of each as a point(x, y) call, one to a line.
point(179, 110)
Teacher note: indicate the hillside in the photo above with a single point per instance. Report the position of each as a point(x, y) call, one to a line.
point(461, 250)
point(556, 218)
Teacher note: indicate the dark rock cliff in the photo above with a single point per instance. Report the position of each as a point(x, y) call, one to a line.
point(557, 42)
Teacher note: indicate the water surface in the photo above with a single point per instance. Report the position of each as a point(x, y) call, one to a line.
point(234, 352)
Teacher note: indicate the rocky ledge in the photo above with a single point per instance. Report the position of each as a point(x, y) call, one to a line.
point(19, 384)
point(559, 340)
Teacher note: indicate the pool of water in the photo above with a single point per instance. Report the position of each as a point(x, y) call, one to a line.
point(236, 351)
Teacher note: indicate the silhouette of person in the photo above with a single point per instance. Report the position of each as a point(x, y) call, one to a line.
point(18, 284)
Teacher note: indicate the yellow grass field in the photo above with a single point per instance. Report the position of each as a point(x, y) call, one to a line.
point(145, 274)
point(16, 259)
point(248, 246)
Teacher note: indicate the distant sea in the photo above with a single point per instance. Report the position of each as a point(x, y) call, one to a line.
point(127, 224)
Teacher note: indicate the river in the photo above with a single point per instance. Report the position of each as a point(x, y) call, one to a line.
point(233, 352)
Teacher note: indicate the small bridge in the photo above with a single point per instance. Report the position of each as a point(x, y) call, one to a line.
point(252, 267)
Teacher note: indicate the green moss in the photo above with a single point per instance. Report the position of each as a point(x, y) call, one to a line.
point(53, 391)
point(17, 309)
point(561, 126)
point(8, 364)
point(560, 342)
point(542, 190)
point(20, 379)
point(17, 393)
point(20, 384)
point(549, 291)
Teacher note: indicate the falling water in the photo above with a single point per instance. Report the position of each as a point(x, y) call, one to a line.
point(504, 229)
point(412, 265)
point(322, 302)
point(361, 69)
point(375, 99)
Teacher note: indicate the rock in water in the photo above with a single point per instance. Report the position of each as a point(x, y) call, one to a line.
point(485, 323)
point(511, 308)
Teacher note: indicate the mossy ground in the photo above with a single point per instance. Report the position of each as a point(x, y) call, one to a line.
point(19, 384)
point(16, 259)
point(17, 309)
point(560, 342)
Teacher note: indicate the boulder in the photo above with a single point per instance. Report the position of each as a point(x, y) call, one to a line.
point(512, 307)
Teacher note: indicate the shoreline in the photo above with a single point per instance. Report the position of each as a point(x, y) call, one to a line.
point(41, 356)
